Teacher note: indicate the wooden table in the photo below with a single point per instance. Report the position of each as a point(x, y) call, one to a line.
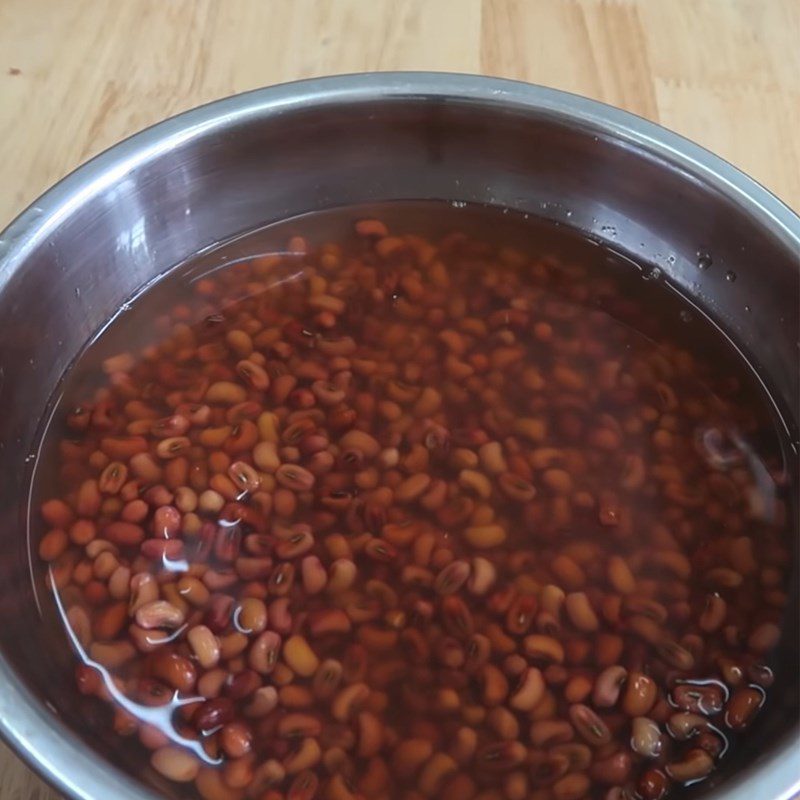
point(78, 75)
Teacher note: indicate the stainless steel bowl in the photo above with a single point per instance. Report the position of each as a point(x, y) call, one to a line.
point(71, 259)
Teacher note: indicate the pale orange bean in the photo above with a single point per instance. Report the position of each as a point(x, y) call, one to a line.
point(571, 787)
point(475, 483)
point(360, 441)
point(428, 403)
point(307, 755)
point(482, 577)
point(175, 764)
point(433, 774)
point(620, 576)
point(551, 599)
point(264, 701)
point(568, 572)
point(250, 616)
point(529, 691)
point(300, 657)
point(193, 591)
point(544, 649)
point(210, 502)
point(205, 646)
point(646, 737)
point(349, 701)
point(503, 722)
point(266, 457)
point(530, 428)
point(342, 575)
point(225, 393)
point(484, 537)
point(412, 488)
point(159, 614)
point(492, 458)
point(464, 745)
point(580, 612)
point(411, 754)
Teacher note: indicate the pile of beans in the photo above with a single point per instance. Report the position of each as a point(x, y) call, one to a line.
point(401, 518)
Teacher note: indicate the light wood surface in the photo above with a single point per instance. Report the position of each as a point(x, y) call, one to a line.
point(78, 75)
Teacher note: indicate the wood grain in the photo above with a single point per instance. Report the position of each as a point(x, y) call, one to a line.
point(78, 75)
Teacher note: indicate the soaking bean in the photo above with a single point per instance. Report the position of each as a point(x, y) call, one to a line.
point(401, 517)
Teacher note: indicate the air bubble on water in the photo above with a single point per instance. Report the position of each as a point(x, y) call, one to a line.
point(609, 230)
point(703, 260)
point(77, 291)
point(458, 204)
point(653, 275)
point(686, 315)
point(748, 309)
point(569, 213)
point(30, 457)
point(730, 276)
point(125, 307)
point(670, 259)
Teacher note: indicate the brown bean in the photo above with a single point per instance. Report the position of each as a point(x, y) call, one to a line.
point(700, 698)
point(695, 765)
point(764, 638)
point(294, 477)
point(743, 706)
point(588, 725)
point(639, 695)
